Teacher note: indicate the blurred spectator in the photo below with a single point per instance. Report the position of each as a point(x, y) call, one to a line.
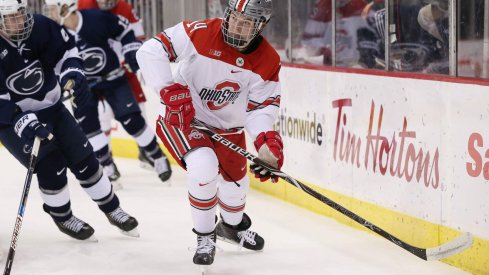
point(317, 35)
point(412, 48)
point(433, 18)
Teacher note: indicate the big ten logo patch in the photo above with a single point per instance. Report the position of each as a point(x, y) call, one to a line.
point(194, 134)
point(221, 95)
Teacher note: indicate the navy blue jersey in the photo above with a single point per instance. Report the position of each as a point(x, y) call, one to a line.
point(29, 68)
point(95, 29)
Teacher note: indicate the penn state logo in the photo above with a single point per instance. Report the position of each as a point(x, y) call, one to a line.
point(27, 81)
point(221, 95)
point(94, 60)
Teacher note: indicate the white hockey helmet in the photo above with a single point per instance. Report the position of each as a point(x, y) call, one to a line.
point(244, 20)
point(441, 4)
point(107, 4)
point(16, 21)
point(59, 10)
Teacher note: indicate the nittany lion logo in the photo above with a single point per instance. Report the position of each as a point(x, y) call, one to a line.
point(28, 81)
point(94, 60)
point(219, 97)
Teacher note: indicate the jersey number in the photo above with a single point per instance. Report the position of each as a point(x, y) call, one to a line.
point(64, 35)
point(196, 25)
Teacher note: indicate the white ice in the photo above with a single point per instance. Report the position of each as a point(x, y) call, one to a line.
point(297, 241)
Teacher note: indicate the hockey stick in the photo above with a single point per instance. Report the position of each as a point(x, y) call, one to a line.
point(92, 84)
point(436, 253)
point(23, 201)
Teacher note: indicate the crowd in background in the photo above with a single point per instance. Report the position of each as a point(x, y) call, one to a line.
point(302, 32)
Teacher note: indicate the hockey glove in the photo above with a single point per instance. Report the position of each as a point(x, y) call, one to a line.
point(130, 59)
point(80, 90)
point(270, 149)
point(179, 109)
point(27, 127)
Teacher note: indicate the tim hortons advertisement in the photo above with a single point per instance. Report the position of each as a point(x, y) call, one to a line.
point(417, 147)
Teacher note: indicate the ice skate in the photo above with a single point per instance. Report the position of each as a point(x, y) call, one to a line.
point(123, 221)
point(240, 234)
point(145, 161)
point(77, 229)
point(113, 174)
point(206, 249)
point(163, 168)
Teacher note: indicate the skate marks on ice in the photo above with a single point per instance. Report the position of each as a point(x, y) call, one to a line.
point(297, 241)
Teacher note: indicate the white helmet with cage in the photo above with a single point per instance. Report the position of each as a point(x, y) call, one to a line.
point(107, 4)
point(244, 20)
point(16, 21)
point(59, 10)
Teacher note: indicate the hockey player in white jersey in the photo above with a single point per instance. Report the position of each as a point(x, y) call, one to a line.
point(227, 78)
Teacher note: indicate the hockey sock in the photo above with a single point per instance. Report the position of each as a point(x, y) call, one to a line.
point(232, 199)
point(202, 169)
point(153, 150)
point(96, 184)
point(51, 175)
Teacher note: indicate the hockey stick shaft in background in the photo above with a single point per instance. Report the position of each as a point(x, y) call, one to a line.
point(450, 248)
point(92, 84)
point(23, 202)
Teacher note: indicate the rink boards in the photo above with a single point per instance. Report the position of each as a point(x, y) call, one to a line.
point(407, 154)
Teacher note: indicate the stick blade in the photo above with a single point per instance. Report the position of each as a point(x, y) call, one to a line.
point(450, 248)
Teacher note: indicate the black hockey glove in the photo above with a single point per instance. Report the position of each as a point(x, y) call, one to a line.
point(80, 90)
point(130, 59)
point(27, 127)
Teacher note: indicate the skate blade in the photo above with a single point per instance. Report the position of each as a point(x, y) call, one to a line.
point(146, 166)
point(229, 241)
point(91, 239)
point(116, 185)
point(204, 269)
point(132, 233)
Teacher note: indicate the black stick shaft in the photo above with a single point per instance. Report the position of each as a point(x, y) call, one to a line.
point(23, 202)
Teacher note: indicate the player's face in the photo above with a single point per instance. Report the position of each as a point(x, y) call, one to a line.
point(106, 4)
point(14, 23)
point(241, 26)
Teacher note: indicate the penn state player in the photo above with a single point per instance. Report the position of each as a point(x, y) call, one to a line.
point(92, 30)
point(124, 9)
point(33, 51)
point(232, 77)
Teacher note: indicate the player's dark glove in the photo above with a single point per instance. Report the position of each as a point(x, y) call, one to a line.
point(79, 90)
point(130, 58)
point(27, 127)
point(270, 149)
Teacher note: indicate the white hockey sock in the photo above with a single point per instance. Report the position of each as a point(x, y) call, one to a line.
point(202, 169)
point(232, 199)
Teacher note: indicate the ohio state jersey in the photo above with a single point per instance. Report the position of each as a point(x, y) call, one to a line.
point(230, 89)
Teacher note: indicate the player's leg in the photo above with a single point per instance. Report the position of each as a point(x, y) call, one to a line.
point(52, 181)
point(233, 188)
point(84, 165)
point(88, 118)
point(127, 112)
point(138, 93)
point(197, 156)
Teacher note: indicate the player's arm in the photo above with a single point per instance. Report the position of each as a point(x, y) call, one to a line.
point(8, 110)
point(25, 123)
point(262, 111)
point(61, 50)
point(154, 57)
point(156, 54)
point(120, 30)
